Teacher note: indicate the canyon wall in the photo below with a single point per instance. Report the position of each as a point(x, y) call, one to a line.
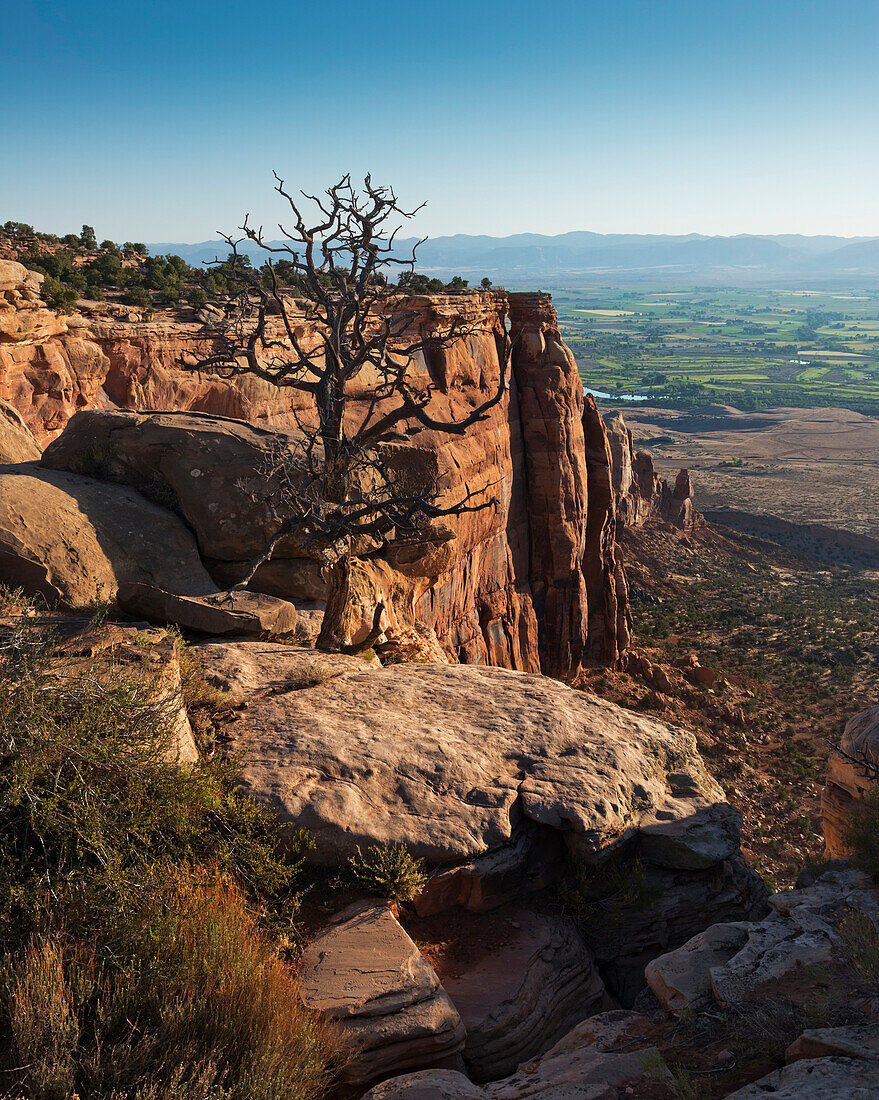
point(534, 583)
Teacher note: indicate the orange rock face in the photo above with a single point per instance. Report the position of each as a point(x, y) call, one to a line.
point(533, 584)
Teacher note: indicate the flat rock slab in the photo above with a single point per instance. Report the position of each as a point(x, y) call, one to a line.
point(75, 540)
point(249, 670)
point(525, 994)
point(447, 759)
point(366, 974)
point(364, 964)
point(816, 1079)
point(241, 612)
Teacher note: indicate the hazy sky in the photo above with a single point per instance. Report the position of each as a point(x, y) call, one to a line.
point(162, 121)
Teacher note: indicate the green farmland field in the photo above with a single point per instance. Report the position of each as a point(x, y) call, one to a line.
point(750, 348)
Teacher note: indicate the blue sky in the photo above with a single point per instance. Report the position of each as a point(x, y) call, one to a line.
point(163, 121)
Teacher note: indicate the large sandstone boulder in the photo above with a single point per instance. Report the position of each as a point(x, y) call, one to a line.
point(450, 759)
point(74, 540)
point(367, 975)
point(528, 990)
point(17, 444)
point(209, 467)
point(846, 782)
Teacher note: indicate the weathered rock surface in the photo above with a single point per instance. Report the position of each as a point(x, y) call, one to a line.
point(365, 973)
point(74, 540)
point(579, 1067)
point(846, 782)
point(734, 962)
point(856, 1041)
point(247, 670)
point(682, 978)
point(816, 1079)
point(525, 993)
point(239, 612)
point(17, 444)
point(447, 759)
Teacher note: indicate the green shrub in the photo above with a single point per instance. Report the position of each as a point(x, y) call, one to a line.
point(133, 972)
point(860, 833)
point(58, 296)
point(388, 871)
point(89, 808)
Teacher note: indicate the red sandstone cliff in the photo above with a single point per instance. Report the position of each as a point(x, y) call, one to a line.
point(536, 584)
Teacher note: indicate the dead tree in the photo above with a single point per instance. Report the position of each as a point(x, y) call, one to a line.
point(340, 482)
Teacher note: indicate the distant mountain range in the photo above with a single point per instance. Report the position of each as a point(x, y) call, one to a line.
point(526, 258)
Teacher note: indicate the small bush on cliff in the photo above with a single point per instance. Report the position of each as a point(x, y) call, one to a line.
point(388, 871)
point(90, 810)
point(60, 297)
point(860, 949)
point(860, 833)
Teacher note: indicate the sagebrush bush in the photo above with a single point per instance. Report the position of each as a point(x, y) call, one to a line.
point(203, 1009)
point(859, 941)
point(388, 871)
point(131, 972)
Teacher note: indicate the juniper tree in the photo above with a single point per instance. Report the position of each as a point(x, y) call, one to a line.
point(339, 483)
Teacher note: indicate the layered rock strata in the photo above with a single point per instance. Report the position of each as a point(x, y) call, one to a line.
point(364, 973)
point(504, 586)
point(525, 993)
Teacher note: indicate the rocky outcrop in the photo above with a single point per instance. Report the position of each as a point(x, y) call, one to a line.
point(509, 587)
point(735, 962)
point(847, 782)
point(584, 1065)
point(48, 370)
point(364, 973)
point(528, 990)
point(74, 539)
point(17, 444)
point(640, 493)
point(450, 759)
point(550, 400)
